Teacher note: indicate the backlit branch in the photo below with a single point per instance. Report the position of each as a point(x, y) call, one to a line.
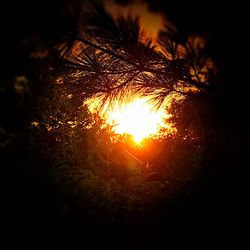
point(109, 55)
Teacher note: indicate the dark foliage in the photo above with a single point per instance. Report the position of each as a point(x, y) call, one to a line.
point(42, 188)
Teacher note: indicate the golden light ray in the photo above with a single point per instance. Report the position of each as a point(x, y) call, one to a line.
point(136, 116)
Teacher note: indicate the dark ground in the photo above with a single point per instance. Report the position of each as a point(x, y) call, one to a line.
point(213, 209)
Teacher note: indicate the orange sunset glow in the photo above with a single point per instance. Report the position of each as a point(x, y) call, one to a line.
point(124, 123)
point(151, 22)
point(136, 116)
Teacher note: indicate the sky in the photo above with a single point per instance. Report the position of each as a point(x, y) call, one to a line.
point(151, 22)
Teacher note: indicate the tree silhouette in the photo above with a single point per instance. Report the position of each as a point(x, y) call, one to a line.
point(59, 176)
point(111, 56)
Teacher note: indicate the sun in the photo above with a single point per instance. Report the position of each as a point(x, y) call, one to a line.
point(137, 116)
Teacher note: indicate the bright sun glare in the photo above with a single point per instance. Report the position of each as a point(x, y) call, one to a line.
point(137, 117)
